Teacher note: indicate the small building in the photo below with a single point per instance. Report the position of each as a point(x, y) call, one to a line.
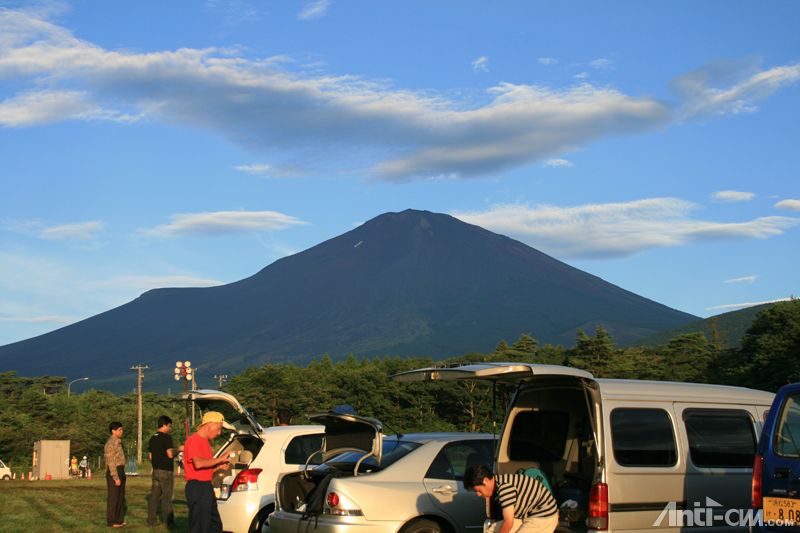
point(51, 457)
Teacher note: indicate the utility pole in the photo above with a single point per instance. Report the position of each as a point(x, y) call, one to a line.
point(222, 378)
point(194, 387)
point(140, 369)
point(183, 372)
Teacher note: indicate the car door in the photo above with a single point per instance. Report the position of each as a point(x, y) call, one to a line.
point(443, 482)
point(780, 448)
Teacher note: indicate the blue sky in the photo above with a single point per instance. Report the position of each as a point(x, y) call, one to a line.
point(151, 144)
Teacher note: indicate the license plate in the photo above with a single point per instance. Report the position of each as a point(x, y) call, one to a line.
point(782, 511)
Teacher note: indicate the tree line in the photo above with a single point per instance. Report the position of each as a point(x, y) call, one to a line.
point(39, 408)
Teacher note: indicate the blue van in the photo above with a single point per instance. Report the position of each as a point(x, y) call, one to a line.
point(776, 471)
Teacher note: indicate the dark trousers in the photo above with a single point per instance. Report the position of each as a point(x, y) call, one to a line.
point(161, 492)
point(115, 504)
point(203, 513)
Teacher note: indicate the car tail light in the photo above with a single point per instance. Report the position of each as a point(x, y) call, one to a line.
point(246, 480)
point(332, 500)
point(598, 507)
point(758, 467)
point(340, 506)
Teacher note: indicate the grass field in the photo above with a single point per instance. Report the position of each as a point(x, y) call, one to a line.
point(77, 505)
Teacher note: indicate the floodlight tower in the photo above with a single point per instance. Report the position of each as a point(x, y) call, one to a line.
point(184, 373)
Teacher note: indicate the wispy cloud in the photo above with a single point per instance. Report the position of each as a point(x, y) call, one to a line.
point(44, 319)
point(224, 223)
point(145, 283)
point(722, 88)
point(273, 171)
point(261, 105)
point(732, 196)
point(602, 231)
point(481, 64)
point(600, 63)
point(790, 203)
point(314, 10)
point(733, 307)
point(743, 279)
point(71, 232)
point(558, 163)
point(547, 61)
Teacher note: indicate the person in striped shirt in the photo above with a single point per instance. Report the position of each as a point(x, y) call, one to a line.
point(527, 505)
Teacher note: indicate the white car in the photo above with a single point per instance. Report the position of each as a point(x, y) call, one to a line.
point(5, 472)
point(372, 483)
point(246, 493)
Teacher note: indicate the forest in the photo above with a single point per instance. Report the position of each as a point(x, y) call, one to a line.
point(36, 408)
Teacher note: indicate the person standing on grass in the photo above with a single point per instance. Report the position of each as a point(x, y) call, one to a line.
point(161, 452)
point(199, 464)
point(83, 465)
point(115, 476)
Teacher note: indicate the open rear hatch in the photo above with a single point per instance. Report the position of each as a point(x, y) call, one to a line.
point(237, 418)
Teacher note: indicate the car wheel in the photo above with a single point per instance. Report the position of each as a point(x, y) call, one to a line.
point(6, 477)
point(422, 526)
point(260, 524)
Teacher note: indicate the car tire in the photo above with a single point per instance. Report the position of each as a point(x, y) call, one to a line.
point(261, 520)
point(422, 525)
point(6, 477)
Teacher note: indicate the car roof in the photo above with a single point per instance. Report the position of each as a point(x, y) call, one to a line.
point(302, 429)
point(678, 391)
point(440, 436)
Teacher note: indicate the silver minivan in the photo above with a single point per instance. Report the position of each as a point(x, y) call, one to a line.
point(626, 455)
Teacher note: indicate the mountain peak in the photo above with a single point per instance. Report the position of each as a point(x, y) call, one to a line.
point(406, 283)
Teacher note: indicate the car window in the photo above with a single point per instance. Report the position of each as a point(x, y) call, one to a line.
point(301, 447)
point(643, 437)
point(393, 450)
point(787, 434)
point(455, 457)
point(720, 438)
point(538, 436)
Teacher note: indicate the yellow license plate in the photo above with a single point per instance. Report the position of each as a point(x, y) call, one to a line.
point(782, 511)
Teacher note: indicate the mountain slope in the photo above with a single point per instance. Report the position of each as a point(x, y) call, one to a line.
point(730, 328)
point(409, 283)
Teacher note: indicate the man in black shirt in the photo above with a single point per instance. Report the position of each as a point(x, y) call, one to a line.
point(161, 454)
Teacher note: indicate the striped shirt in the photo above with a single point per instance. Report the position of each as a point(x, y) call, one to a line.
point(527, 495)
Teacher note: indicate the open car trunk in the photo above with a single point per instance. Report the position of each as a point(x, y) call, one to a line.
point(551, 425)
point(358, 437)
point(244, 442)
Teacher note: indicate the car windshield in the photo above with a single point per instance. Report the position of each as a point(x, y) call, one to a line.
point(393, 450)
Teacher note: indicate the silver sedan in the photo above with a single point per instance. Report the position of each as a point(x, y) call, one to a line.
point(407, 484)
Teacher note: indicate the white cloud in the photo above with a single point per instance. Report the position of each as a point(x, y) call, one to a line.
point(581, 76)
point(44, 319)
point(314, 10)
point(82, 231)
point(790, 204)
point(732, 196)
point(273, 171)
point(599, 231)
point(744, 86)
point(547, 61)
point(600, 63)
point(224, 223)
point(42, 107)
point(557, 163)
point(74, 232)
point(145, 283)
point(481, 64)
point(733, 307)
point(743, 279)
point(263, 106)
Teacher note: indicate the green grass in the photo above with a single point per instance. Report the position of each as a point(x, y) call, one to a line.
point(77, 505)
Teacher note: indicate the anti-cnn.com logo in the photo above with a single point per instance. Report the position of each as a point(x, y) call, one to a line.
point(712, 514)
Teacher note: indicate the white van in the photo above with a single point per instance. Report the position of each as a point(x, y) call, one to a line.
point(626, 455)
point(5, 472)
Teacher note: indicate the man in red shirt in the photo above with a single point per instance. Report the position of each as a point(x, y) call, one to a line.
point(200, 464)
